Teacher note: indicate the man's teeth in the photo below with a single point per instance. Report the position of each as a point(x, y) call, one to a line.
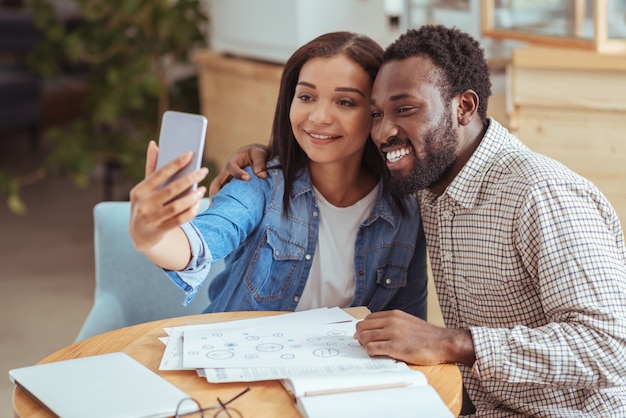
point(396, 155)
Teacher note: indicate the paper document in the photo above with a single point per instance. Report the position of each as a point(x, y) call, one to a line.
point(315, 385)
point(399, 394)
point(253, 374)
point(273, 346)
point(173, 355)
point(402, 402)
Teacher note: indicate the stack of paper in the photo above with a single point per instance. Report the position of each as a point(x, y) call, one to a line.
point(318, 341)
point(315, 355)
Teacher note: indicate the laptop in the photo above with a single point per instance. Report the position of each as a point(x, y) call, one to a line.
point(106, 385)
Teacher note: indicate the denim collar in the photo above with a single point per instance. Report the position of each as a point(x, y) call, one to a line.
point(384, 207)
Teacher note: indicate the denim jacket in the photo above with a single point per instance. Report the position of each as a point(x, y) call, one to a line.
point(268, 254)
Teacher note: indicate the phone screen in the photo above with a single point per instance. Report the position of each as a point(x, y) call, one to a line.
point(180, 133)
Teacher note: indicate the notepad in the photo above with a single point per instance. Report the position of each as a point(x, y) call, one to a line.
point(102, 386)
point(398, 394)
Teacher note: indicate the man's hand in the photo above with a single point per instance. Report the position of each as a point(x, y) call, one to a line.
point(254, 155)
point(402, 336)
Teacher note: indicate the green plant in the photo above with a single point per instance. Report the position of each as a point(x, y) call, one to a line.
point(128, 51)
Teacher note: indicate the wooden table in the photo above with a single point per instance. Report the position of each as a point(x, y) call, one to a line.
point(266, 399)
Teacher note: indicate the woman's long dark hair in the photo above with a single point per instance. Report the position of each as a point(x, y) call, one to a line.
point(360, 49)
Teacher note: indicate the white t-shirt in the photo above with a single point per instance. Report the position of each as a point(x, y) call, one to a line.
point(331, 280)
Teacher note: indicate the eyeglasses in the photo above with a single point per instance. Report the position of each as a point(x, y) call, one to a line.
point(221, 409)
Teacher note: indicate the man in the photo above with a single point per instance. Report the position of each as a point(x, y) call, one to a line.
point(528, 258)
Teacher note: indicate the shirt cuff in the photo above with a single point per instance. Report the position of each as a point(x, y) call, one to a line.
point(490, 349)
point(196, 245)
point(191, 278)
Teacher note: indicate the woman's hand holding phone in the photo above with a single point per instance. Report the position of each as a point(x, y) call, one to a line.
point(165, 199)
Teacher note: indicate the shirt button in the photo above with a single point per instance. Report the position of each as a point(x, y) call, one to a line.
point(361, 231)
point(308, 256)
point(447, 256)
point(447, 215)
point(295, 298)
point(314, 213)
point(361, 272)
point(276, 252)
point(387, 281)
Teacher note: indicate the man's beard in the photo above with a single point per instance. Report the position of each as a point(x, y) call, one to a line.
point(440, 148)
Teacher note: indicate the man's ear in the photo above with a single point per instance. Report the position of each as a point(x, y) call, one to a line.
point(467, 106)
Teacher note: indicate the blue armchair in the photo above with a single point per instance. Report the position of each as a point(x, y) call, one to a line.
point(130, 289)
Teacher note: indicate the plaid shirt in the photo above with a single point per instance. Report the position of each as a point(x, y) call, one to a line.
point(530, 257)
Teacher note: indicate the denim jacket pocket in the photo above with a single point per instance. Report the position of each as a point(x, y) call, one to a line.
point(274, 266)
point(284, 246)
point(389, 280)
point(391, 276)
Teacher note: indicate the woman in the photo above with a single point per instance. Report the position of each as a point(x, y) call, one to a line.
point(320, 230)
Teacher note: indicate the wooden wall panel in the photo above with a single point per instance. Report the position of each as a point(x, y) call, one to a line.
point(238, 97)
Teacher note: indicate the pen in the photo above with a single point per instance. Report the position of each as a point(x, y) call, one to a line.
point(357, 389)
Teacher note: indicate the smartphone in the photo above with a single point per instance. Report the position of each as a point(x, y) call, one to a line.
point(180, 133)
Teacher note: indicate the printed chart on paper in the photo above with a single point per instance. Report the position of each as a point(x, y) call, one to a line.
point(273, 346)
